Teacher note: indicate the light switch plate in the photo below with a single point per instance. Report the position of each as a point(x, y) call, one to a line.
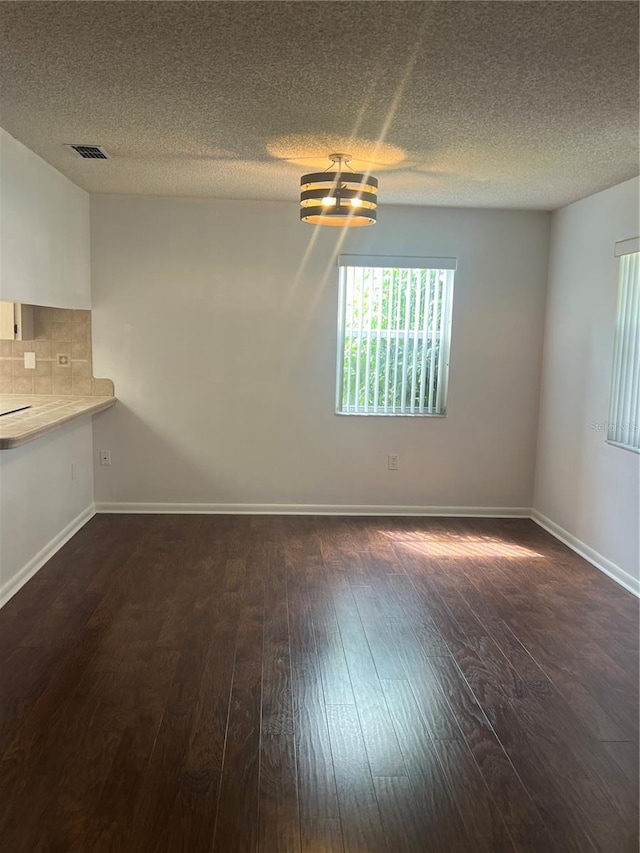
point(30, 360)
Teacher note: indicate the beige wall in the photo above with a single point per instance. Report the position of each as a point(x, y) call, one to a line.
point(586, 487)
point(217, 322)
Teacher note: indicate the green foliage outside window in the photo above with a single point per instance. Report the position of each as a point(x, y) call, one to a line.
point(393, 319)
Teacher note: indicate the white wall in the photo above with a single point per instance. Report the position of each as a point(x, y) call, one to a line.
point(44, 252)
point(39, 499)
point(217, 321)
point(44, 232)
point(583, 485)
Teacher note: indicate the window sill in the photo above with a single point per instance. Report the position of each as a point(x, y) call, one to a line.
point(628, 447)
point(391, 414)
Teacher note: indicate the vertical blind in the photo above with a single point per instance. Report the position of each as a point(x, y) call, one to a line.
point(624, 416)
point(394, 334)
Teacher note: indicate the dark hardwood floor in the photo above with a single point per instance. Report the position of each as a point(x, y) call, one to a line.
point(304, 684)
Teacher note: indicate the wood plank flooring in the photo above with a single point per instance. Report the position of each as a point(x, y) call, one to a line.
point(318, 685)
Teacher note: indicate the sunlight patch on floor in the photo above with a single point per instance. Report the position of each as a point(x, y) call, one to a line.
point(459, 545)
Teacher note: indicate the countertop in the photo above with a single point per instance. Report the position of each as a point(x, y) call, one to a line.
point(45, 413)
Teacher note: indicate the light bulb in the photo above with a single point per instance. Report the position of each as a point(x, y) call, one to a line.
point(328, 201)
point(356, 202)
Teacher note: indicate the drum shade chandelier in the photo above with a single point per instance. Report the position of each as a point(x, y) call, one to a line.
point(338, 197)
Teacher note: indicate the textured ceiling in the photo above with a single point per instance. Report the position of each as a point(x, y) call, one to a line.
point(498, 104)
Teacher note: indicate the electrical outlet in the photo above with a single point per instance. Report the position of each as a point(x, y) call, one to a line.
point(393, 461)
point(105, 457)
point(30, 360)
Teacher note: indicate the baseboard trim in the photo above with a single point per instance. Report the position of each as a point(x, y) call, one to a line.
point(312, 509)
point(9, 589)
point(611, 569)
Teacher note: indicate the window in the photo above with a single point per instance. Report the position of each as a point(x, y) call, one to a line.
point(394, 329)
point(624, 414)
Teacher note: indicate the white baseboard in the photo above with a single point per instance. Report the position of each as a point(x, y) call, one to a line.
point(615, 572)
point(313, 509)
point(12, 586)
point(621, 577)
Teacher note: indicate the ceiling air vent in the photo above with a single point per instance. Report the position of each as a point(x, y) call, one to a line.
point(90, 152)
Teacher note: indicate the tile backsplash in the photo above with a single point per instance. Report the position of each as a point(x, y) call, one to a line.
point(62, 344)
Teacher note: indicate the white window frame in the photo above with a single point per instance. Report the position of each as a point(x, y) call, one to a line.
point(623, 428)
point(381, 262)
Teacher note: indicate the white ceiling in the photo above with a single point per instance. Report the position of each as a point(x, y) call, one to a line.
point(497, 104)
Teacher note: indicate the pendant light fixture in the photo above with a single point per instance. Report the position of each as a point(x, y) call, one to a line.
point(340, 197)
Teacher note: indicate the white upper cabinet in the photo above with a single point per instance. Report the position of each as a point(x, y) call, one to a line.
point(44, 232)
point(16, 321)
